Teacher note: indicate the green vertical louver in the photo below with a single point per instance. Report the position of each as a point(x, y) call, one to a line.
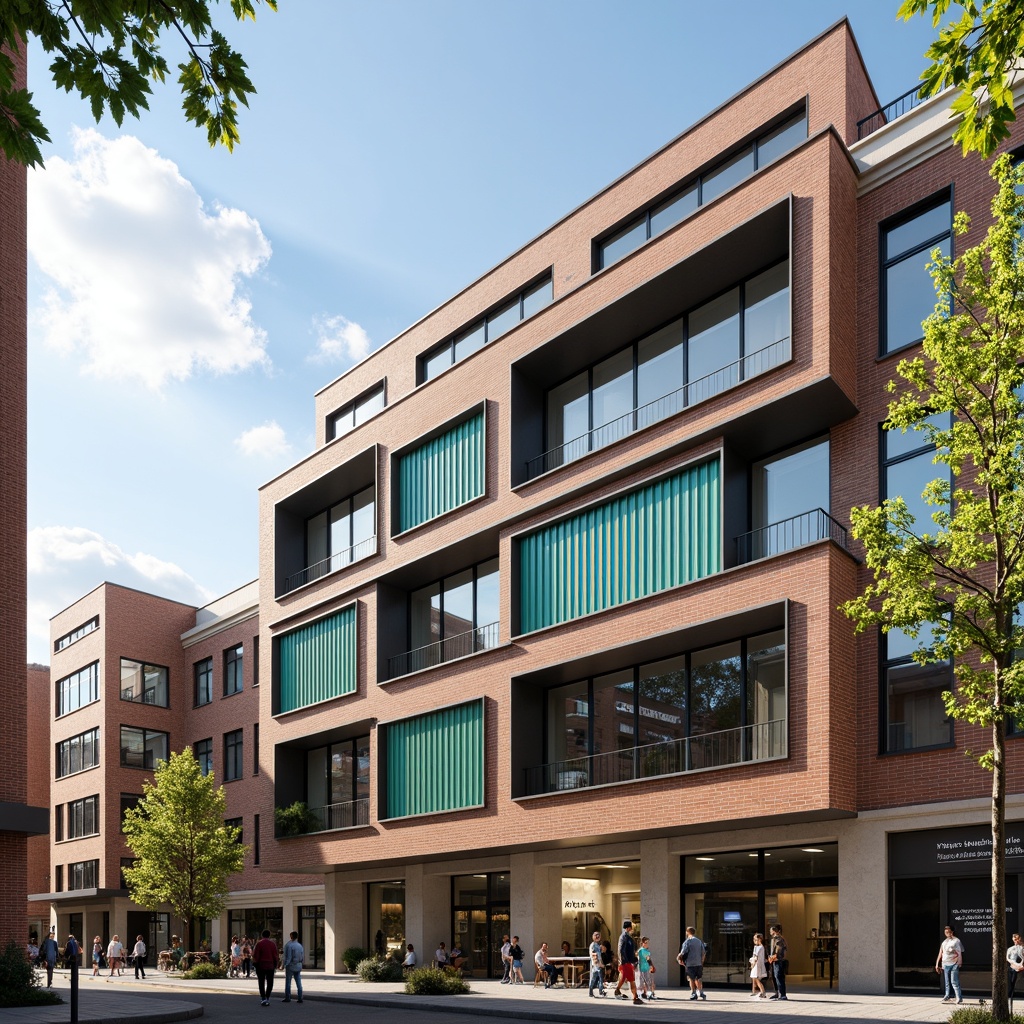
point(318, 661)
point(653, 538)
point(442, 474)
point(435, 762)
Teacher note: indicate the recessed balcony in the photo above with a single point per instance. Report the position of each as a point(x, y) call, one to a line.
point(788, 535)
point(339, 560)
point(461, 645)
point(329, 818)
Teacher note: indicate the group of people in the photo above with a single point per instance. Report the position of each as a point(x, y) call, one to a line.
point(771, 962)
point(950, 959)
point(114, 957)
point(47, 952)
point(265, 958)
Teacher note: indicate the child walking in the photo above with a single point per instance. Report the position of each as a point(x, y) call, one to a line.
point(758, 969)
point(645, 988)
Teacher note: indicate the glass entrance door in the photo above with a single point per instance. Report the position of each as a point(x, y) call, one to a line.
point(480, 920)
point(311, 935)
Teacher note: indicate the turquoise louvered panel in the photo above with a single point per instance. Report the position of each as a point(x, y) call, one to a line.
point(318, 661)
point(442, 474)
point(436, 761)
point(659, 536)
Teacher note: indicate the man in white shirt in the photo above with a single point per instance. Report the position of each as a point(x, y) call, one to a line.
point(1015, 959)
point(506, 960)
point(294, 956)
point(441, 955)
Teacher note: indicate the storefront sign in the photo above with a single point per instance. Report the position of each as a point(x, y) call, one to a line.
point(952, 851)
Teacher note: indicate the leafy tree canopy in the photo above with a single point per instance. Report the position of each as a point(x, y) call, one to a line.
point(979, 54)
point(183, 850)
point(964, 570)
point(109, 52)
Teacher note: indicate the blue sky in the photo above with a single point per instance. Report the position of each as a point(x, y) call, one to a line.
point(186, 303)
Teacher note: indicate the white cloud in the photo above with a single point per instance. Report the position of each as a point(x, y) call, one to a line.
point(66, 562)
point(267, 441)
point(339, 340)
point(143, 280)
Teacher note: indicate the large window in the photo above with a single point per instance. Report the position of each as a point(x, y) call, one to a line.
point(78, 689)
point(341, 534)
point(203, 679)
point(700, 709)
point(129, 801)
point(232, 755)
point(78, 753)
point(83, 875)
point(233, 670)
point(203, 750)
point(144, 684)
point(352, 415)
point(84, 817)
point(76, 634)
point(907, 289)
point(908, 466)
point(711, 184)
point(736, 335)
point(142, 748)
point(915, 716)
point(338, 783)
point(487, 329)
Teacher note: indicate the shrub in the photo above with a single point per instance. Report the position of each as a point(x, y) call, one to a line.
point(205, 972)
point(353, 956)
point(295, 820)
point(19, 983)
point(374, 970)
point(433, 981)
point(979, 1015)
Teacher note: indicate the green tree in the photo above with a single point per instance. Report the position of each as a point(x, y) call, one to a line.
point(109, 52)
point(183, 850)
point(964, 571)
point(979, 54)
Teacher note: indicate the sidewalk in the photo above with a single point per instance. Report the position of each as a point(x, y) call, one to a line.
point(106, 1000)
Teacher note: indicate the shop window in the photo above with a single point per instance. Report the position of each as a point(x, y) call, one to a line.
point(386, 918)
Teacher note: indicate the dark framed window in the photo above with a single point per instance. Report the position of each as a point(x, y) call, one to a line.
point(59, 879)
point(235, 823)
point(203, 680)
point(78, 753)
point(352, 415)
point(126, 862)
point(143, 683)
point(233, 670)
point(84, 817)
point(203, 750)
point(255, 839)
point(232, 755)
point(256, 748)
point(914, 714)
point(338, 783)
point(908, 466)
point(58, 822)
point(83, 874)
point(487, 329)
point(342, 534)
point(142, 748)
point(129, 801)
point(717, 179)
point(906, 291)
point(76, 634)
point(78, 689)
point(255, 661)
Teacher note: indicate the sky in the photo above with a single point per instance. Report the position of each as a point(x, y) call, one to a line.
point(185, 304)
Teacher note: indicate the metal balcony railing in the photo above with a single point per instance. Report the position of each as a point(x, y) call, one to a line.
point(788, 534)
point(897, 108)
point(759, 742)
point(347, 814)
point(695, 392)
point(327, 565)
point(480, 639)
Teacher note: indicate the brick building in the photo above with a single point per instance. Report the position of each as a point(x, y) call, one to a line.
point(547, 623)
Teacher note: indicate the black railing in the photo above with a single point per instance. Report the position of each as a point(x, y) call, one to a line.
point(899, 106)
point(788, 534)
point(481, 639)
point(327, 565)
point(695, 392)
point(759, 742)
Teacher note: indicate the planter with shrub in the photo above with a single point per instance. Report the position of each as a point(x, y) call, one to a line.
point(375, 970)
point(434, 981)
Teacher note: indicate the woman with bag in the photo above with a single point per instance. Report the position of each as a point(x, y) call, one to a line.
point(948, 962)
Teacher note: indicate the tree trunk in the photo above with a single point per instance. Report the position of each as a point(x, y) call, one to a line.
point(1000, 1000)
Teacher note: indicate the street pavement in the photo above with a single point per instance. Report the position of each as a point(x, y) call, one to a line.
point(159, 998)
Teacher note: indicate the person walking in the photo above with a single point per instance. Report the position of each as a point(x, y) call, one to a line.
point(645, 964)
point(778, 958)
point(1015, 960)
point(48, 956)
point(294, 956)
point(246, 956)
point(264, 959)
point(948, 963)
point(758, 969)
point(692, 955)
point(139, 958)
point(506, 960)
point(115, 950)
point(516, 952)
point(596, 967)
point(97, 955)
point(627, 963)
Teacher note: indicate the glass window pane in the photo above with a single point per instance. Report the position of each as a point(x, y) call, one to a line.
point(367, 406)
point(437, 362)
point(900, 442)
point(487, 598)
point(738, 866)
point(660, 374)
point(899, 643)
point(341, 530)
point(766, 694)
point(425, 615)
point(791, 484)
point(340, 423)
point(362, 790)
point(766, 312)
point(715, 689)
point(342, 772)
point(469, 342)
point(458, 604)
point(663, 702)
point(469, 890)
point(782, 139)
point(316, 539)
point(613, 397)
point(503, 320)
point(713, 347)
point(673, 210)
point(908, 480)
point(537, 297)
point(918, 230)
point(569, 417)
point(156, 748)
point(723, 177)
point(613, 728)
point(569, 725)
point(909, 298)
point(916, 715)
point(316, 777)
point(624, 242)
point(364, 519)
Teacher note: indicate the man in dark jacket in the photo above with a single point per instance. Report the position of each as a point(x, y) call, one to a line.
point(264, 959)
point(627, 964)
point(48, 956)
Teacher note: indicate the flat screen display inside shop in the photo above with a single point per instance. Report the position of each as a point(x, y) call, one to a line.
point(952, 851)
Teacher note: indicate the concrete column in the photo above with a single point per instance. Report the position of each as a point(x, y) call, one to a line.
point(428, 910)
point(536, 901)
point(659, 907)
point(344, 919)
point(863, 899)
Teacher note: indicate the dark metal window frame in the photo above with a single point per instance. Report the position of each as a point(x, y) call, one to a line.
point(78, 814)
point(83, 874)
point(202, 750)
point(146, 734)
point(128, 800)
point(92, 681)
point(475, 568)
point(353, 744)
point(349, 409)
point(202, 682)
point(234, 669)
point(236, 823)
point(75, 634)
point(144, 665)
point(234, 752)
point(64, 748)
